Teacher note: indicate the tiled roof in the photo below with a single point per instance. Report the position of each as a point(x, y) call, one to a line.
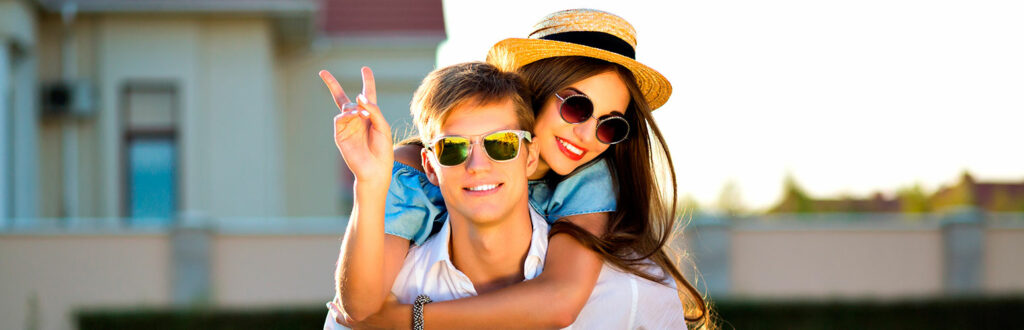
point(337, 17)
point(212, 6)
point(411, 17)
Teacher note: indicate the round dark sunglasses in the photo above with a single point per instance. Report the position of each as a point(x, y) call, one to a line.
point(500, 146)
point(578, 108)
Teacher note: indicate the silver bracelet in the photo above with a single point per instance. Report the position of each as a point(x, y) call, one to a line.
point(417, 311)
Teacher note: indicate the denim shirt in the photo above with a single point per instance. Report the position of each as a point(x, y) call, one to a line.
point(414, 208)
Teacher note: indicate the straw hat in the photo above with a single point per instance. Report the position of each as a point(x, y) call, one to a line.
point(583, 32)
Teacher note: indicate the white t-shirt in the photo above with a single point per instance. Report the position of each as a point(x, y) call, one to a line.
point(620, 300)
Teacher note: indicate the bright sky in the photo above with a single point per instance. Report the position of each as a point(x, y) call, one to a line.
point(849, 97)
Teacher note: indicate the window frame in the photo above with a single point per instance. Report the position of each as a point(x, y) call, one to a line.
point(129, 134)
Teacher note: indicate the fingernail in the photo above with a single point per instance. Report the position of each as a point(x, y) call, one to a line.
point(365, 113)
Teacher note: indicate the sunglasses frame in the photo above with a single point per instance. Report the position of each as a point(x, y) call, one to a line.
point(601, 120)
point(478, 139)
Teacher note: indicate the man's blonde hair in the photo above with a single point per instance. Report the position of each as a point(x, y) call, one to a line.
point(447, 88)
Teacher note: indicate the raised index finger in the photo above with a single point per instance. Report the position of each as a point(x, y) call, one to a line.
point(369, 85)
point(335, 87)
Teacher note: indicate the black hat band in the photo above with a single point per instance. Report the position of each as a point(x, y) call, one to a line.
point(599, 40)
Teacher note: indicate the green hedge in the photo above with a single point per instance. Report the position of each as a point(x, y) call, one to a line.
point(281, 318)
point(944, 313)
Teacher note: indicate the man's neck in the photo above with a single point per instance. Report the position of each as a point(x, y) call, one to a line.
point(492, 255)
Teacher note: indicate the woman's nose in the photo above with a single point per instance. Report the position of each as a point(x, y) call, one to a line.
point(586, 131)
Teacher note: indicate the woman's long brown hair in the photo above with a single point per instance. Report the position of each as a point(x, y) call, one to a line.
point(641, 227)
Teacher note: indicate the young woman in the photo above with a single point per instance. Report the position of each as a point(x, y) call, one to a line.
point(597, 183)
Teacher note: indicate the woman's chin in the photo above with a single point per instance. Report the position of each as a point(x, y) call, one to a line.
point(564, 168)
point(562, 165)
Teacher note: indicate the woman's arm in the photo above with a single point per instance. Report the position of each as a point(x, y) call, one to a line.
point(551, 300)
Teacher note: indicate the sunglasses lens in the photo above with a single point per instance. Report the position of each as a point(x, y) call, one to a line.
point(612, 130)
point(576, 109)
point(502, 146)
point(452, 151)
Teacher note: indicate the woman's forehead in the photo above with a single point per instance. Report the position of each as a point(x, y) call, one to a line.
point(607, 91)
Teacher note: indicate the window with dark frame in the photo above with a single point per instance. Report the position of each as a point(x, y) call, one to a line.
point(150, 154)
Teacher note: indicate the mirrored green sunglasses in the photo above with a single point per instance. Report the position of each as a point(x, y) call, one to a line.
point(500, 146)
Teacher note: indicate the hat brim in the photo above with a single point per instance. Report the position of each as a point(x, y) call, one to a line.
point(512, 53)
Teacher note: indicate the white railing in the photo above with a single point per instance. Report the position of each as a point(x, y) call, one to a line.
point(223, 225)
point(322, 225)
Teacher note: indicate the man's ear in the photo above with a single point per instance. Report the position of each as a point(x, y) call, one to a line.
point(428, 166)
point(532, 157)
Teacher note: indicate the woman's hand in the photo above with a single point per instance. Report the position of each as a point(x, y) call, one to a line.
point(339, 316)
point(392, 315)
point(360, 132)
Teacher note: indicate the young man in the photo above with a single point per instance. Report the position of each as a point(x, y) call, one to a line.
point(473, 120)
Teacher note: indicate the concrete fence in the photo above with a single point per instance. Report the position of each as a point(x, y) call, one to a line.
point(50, 268)
point(962, 252)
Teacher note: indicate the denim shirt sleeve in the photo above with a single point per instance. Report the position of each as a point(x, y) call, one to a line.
point(589, 190)
point(414, 207)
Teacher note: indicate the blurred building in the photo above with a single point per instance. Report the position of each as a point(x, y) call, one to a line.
point(156, 108)
point(176, 151)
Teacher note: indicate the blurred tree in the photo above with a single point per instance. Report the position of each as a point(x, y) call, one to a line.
point(991, 196)
point(794, 199)
point(961, 194)
point(730, 202)
point(688, 205)
point(913, 199)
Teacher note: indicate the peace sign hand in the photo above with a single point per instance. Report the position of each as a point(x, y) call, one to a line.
point(360, 132)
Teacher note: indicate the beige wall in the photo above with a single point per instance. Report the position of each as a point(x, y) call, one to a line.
point(236, 143)
point(820, 263)
point(312, 163)
point(50, 158)
point(67, 272)
point(1004, 263)
point(254, 118)
point(70, 272)
point(150, 49)
point(229, 137)
point(51, 130)
point(254, 270)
